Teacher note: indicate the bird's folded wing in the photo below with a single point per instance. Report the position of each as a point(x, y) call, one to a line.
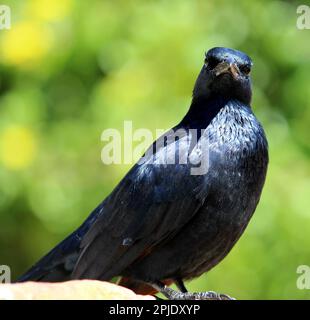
point(150, 205)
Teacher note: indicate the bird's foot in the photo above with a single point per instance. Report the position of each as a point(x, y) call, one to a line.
point(177, 295)
point(207, 295)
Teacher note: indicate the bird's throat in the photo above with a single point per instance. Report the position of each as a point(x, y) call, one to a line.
point(202, 111)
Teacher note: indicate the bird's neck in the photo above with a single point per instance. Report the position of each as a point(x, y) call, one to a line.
point(203, 110)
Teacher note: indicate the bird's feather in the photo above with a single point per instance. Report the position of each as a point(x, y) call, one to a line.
point(126, 227)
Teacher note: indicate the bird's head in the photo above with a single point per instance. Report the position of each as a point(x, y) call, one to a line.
point(225, 74)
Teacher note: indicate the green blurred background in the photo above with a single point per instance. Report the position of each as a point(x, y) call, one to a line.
point(70, 69)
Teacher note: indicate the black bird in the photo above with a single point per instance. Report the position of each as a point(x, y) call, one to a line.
point(167, 222)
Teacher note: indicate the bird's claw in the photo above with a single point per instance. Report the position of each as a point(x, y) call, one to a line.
point(211, 295)
point(207, 295)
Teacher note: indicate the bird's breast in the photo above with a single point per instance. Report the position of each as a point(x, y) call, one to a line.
point(238, 158)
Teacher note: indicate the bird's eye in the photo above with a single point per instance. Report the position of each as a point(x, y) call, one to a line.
point(211, 62)
point(245, 69)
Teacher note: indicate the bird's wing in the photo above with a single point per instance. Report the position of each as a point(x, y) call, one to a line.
point(151, 204)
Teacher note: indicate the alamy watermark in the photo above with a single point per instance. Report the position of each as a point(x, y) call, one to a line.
point(303, 20)
point(189, 147)
point(5, 17)
point(303, 281)
point(180, 146)
point(5, 274)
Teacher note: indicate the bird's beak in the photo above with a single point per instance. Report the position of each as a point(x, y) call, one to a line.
point(227, 67)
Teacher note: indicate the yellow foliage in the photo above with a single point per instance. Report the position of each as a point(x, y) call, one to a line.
point(18, 147)
point(26, 44)
point(50, 10)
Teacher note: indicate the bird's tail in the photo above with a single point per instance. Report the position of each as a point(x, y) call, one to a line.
point(58, 264)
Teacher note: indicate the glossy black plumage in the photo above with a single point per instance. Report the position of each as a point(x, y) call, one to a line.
point(162, 222)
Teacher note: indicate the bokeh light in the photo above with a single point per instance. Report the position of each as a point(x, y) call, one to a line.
point(25, 44)
point(18, 147)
